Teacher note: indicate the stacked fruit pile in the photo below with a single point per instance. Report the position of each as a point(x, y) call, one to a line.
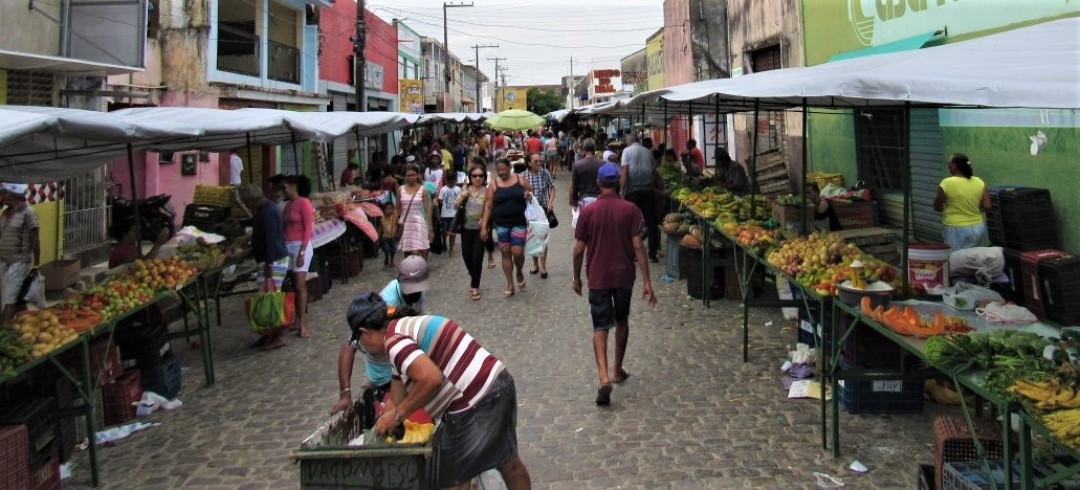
point(13, 351)
point(718, 204)
point(820, 261)
point(43, 332)
point(751, 235)
point(201, 255)
point(139, 283)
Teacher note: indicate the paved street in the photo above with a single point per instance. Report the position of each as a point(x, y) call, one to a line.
point(692, 415)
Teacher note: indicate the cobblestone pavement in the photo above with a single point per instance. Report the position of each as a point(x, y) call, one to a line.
point(693, 415)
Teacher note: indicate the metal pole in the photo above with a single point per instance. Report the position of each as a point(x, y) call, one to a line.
point(446, 50)
point(360, 64)
point(251, 169)
point(296, 155)
point(134, 198)
point(476, 48)
point(495, 80)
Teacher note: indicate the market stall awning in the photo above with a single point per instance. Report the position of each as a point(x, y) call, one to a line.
point(457, 117)
point(13, 60)
point(908, 44)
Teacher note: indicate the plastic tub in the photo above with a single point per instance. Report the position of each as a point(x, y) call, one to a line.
point(879, 292)
point(928, 265)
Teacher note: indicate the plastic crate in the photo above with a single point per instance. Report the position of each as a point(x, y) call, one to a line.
point(971, 475)
point(690, 259)
point(1059, 279)
point(1022, 218)
point(1014, 289)
point(953, 442)
point(901, 395)
point(1034, 299)
point(143, 346)
point(855, 214)
point(46, 474)
point(14, 466)
point(38, 415)
point(205, 217)
point(105, 365)
point(926, 477)
point(118, 396)
point(66, 396)
point(865, 347)
point(166, 379)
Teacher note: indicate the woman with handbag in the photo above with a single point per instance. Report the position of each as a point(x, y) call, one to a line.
point(470, 211)
point(268, 249)
point(415, 231)
point(505, 208)
point(543, 186)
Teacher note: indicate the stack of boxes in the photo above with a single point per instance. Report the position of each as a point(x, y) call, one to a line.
point(1042, 278)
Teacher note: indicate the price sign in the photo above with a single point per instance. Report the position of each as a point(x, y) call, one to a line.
point(890, 386)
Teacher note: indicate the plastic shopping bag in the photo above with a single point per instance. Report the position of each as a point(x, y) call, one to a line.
point(271, 309)
point(998, 312)
point(537, 238)
point(33, 289)
point(534, 212)
point(965, 296)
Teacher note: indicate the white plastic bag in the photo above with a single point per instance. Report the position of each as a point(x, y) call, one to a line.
point(35, 292)
point(1010, 314)
point(537, 238)
point(981, 263)
point(534, 212)
point(965, 296)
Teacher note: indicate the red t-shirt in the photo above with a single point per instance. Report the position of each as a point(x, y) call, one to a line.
point(122, 254)
point(698, 158)
point(299, 218)
point(608, 226)
point(533, 145)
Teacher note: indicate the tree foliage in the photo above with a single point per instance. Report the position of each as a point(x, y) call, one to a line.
point(543, 101)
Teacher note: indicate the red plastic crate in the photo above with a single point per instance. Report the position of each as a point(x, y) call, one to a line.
point(14, 457)
point(1034, 297)
point(105, 366)
point(118, 396)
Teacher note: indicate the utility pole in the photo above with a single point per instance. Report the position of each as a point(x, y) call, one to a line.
point(495, 80)
point(446, 49)
point(573, 85)
point(359, 61)
point(479, 106)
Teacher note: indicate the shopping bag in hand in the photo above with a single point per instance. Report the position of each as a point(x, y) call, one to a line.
point(537, 237)
point(270, 310)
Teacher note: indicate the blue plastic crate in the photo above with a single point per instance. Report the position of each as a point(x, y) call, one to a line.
point(165, 379)
point(901, 395)
point(972, 475)
point(672, 257)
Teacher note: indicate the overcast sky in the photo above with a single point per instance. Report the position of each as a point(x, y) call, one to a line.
point(538, 38)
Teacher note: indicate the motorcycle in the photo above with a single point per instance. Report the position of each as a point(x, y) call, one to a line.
point(155, 214)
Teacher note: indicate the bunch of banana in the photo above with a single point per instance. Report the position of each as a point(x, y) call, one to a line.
point(1065, 425)
point(1048, 395)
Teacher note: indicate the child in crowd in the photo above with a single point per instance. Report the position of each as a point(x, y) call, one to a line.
point(448, 196)
point(389, 224)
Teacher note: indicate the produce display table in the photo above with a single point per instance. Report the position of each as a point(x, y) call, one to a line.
point(747, 262)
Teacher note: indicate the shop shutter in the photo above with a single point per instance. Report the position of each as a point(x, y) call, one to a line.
point(926, 171)
point(252, 164)
point(339, 148)
point(30, 88)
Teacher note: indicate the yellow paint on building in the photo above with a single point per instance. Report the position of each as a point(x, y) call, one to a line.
point(654, 59)
point(51, 229)
point(514, 98)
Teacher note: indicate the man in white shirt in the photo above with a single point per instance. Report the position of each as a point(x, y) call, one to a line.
point(236, 169)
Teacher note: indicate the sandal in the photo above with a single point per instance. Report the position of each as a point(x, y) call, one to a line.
point(534, 272)
point(475, 294)
point(603, 395)
point(521, 286)
point(508, 293)
point(491, 265)
point(621, 376)
point(543, 275)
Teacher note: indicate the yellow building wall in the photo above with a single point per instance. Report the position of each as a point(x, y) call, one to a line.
point(51, 229)
point(514, 98)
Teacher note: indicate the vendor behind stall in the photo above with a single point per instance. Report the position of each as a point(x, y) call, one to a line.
point(126, 250)
point(20, 250)
point(822, 207)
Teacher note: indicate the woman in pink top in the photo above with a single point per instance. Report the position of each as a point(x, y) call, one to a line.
point(299, 217)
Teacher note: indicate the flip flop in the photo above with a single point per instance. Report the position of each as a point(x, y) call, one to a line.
point(508, 293)
point(603, 395)
point(621, 376)
point(543, 275)
point(534, 272)
point(491, 265)
point(475, 295)
point(521, 286)
point(304, 334)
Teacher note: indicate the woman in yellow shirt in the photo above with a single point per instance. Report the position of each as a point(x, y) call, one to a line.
point(962, 199)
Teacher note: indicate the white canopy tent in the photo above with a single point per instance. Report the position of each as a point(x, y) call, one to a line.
point(40, 144)
point(453, 117)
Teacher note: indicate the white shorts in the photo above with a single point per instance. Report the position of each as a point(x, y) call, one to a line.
point(279, 269)
point(14, 273)
point(294, 250)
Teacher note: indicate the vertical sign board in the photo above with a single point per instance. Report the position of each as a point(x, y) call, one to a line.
point(514, 98)
point(411, 95)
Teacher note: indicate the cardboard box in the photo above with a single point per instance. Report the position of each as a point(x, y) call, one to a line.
point(60, 274)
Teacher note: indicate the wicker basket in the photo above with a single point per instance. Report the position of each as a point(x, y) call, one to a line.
point(14, 453)
point(213, 195)
point(823, 179)
point(953, 442)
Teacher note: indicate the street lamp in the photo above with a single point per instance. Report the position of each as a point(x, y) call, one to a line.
point(446, 49)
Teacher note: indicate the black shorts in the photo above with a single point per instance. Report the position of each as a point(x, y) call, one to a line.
point(609, 307)
point(481, 438)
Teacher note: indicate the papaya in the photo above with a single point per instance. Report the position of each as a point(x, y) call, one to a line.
point(865, 308)
point(924, 330)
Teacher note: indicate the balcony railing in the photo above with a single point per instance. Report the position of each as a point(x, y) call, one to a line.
point(284, 63)
point(238, 51)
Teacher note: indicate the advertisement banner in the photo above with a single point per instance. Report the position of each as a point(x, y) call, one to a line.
point(411, 96)
point(514, 98)
point(654, 55)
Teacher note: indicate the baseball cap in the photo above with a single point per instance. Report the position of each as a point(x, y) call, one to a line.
point(14, 188)
point(410, 159)
point(608, 153)
point(608, 171)
point(435, 154)
point(362, 306)
point(413, 275)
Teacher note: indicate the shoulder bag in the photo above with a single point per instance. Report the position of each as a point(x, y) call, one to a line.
point(401, 224)
point(458, 225)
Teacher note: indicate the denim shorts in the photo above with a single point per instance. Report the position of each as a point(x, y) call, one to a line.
point(445, 223)
point(511, 236)
point(481, 438)
point(609, 307)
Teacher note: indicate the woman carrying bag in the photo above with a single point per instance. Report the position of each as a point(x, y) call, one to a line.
point(473, 199)
point(268, 248)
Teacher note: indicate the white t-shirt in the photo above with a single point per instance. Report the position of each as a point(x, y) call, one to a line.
point(433, 176)
point(237, 170)
point(448, 196)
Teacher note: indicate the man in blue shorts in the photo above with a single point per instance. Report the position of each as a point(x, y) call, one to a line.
point(609, 230)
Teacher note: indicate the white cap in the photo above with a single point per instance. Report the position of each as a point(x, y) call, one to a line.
point(19, 189)
point(410, 159)
point(608, 153)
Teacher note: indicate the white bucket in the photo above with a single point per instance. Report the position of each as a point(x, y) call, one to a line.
point(928, 266)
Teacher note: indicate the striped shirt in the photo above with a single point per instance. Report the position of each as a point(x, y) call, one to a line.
point(468, 369)
point(541, 185)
